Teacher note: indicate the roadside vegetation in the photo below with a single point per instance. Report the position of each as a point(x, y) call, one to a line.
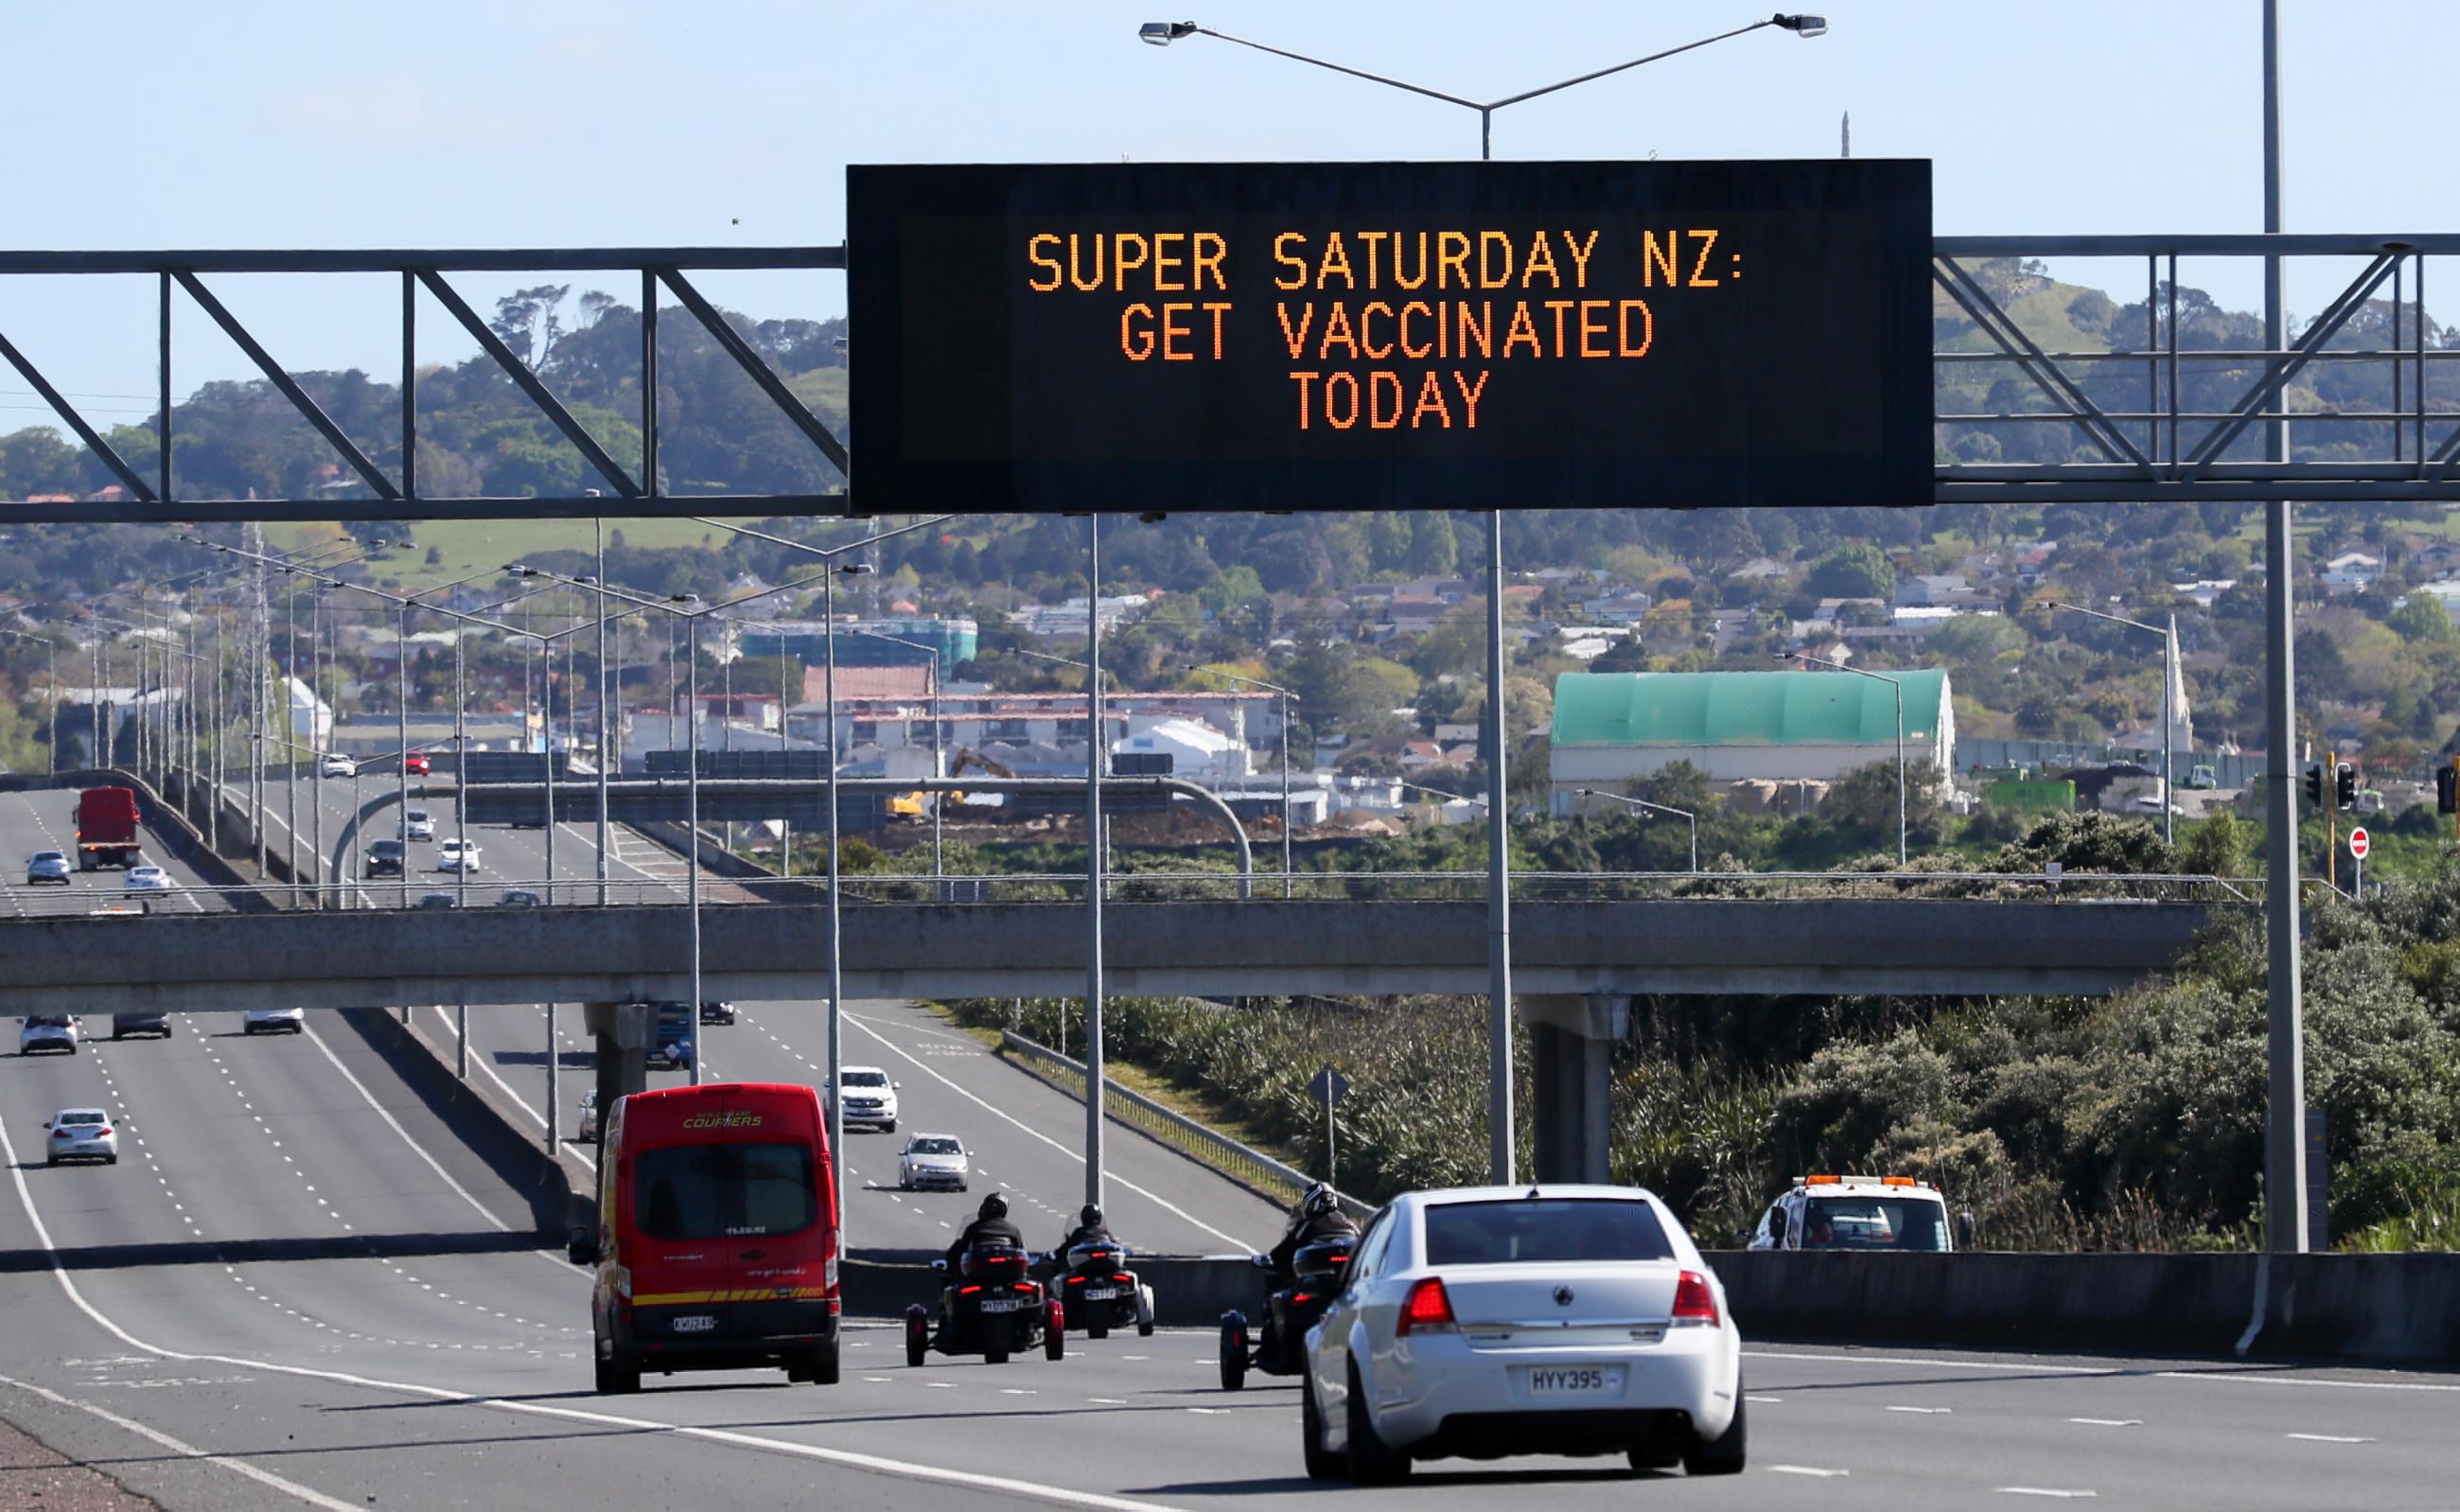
point(2133, 1122)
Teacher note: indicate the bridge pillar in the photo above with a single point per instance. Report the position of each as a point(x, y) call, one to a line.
point(1571, 1040)
point(622, 1033)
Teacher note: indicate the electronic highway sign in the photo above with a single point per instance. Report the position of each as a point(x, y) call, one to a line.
point(1148, 336)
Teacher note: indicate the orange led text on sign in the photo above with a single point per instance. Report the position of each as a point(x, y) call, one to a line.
point(1558, 304)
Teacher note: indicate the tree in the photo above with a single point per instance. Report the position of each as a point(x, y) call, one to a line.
point(1855, 570)
point(1432, 550)
point(2423, 618)
point(1865, 798)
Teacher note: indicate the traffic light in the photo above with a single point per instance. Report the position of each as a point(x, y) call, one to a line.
point(2315, 786)
point(2345, 786)
point(2446, 789)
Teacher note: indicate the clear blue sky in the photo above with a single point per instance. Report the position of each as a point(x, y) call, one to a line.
point(550, 123)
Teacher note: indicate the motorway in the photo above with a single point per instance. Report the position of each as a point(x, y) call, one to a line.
point(301, 1285)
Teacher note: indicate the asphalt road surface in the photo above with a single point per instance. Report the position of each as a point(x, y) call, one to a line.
point(299, 1286)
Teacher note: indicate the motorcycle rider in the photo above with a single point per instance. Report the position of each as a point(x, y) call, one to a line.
point(1090, 1229)
point(990, 1228)
point(1317, 1215)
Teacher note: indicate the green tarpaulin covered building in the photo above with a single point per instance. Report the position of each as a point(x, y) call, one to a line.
point(1777, 726)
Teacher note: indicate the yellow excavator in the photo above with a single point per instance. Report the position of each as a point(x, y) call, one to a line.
point(915, 806)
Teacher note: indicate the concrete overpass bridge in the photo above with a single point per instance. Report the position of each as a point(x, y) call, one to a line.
point(1944, 946)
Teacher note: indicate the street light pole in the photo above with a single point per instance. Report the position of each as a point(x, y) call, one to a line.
point(1501, 1161)
point(2169, 702)
point(2284, 1128)
point(604, 837)
point(1258, 682)
point(1096, 750)
point(692, 845)
point(1897, 686)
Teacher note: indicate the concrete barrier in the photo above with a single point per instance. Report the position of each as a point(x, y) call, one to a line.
point(2388, 1308)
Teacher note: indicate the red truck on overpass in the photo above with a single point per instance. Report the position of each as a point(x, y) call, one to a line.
point(106, 829)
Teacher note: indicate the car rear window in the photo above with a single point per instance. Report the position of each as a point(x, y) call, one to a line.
point(82, 1118)
point(866, 1078)
point(719, 1191)
point(49, 855)
point(1527, 1231)
point(1874, 1222)
point(937, 1147)
point(47, 1021)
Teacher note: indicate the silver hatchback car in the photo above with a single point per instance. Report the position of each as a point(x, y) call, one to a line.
point(46, 867)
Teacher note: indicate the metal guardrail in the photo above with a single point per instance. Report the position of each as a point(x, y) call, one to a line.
point(490, 890)
point(1244, 1163)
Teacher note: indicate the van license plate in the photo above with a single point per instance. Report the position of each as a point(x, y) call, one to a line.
point(1001, 1305)
point(1548, 1380)
point(1101, 1294)
point(695, 1323)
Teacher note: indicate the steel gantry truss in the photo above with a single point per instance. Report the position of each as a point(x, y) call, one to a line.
point(396, 492)
point(2129, 408)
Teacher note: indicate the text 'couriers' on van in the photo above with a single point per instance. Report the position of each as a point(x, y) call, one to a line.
point(716, 1241)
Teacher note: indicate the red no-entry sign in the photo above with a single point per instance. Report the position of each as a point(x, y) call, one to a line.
point(2359, 844)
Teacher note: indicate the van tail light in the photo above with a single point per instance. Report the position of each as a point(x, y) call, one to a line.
point(1428, 1306)
point(829, 1275)
point(1695, 1304)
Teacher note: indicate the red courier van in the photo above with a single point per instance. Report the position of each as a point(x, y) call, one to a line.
point(716, 1242)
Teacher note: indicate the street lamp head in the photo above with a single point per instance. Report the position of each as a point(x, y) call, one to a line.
point(1162, 33)
point(515, 570)
point(1802, 25)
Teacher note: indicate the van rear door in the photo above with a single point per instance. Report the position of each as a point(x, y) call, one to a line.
point(684, 1275)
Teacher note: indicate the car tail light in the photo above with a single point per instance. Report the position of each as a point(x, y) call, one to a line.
point(1123, 1277)
point(1300, 1299)
point(1428, 1306)
point(63, 1131)
point(1695, 1304)
point(102, 1132)
point(968, 1291)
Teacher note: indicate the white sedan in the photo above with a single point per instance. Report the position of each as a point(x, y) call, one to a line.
point(147, 879)
point(81, 1134)
point(931, 1160)
point(457, 855)
point(273, 1021)
point(1481, 1322)
point(336, 764)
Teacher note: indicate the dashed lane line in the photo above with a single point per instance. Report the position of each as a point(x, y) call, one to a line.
point(876, 1464)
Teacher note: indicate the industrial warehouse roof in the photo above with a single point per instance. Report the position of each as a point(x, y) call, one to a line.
point(1723, 708)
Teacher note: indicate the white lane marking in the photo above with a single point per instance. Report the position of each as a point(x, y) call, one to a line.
point(2044, 1491)
point(393, 1124)
point(2328, 1439)
point(2108, 1422)
point(1078, 1155)
point(899, 1469)
point(1773, 1402)
point(187, 1451)
point(1939, 1412)
point(2292, 1380)
point(1807, 1470)
point(487, 1063)
point(2027, 1366)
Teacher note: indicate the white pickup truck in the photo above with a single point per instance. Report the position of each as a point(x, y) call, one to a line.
point(1862, 1212)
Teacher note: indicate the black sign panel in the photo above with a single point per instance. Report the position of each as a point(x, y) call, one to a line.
point(1391, 335)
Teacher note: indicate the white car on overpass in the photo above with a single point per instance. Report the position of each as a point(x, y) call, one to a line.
point(1481, 1322)
point(335, 764)
point(457, 855)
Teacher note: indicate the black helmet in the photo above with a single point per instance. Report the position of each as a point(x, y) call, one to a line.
point(1318, 1201)
point(1089, 1216)
point(994, 1207)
